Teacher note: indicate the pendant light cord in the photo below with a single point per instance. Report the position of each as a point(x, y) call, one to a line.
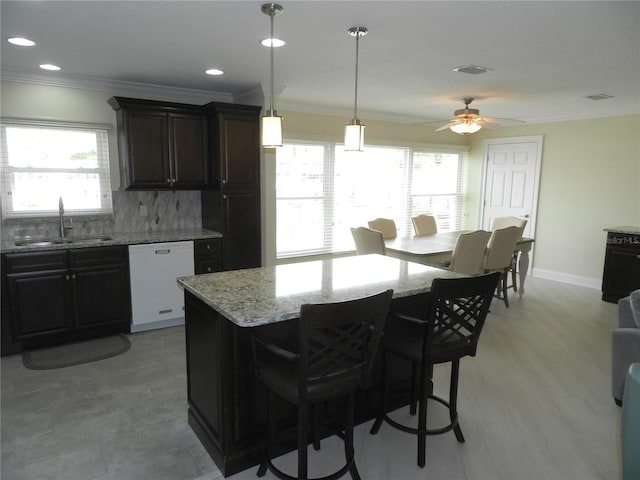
point(271, 15)
point(355, 100)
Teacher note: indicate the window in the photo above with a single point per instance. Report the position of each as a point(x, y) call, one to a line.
point(41, 162)
point(322, 191)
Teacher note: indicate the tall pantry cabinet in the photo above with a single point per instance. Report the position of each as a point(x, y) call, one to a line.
point(232, 206)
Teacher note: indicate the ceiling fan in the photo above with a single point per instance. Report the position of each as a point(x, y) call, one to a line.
point(468, 120)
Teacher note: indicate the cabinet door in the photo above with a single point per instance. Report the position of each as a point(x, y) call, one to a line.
point(241, 241)
point(146, 149)
point(621, 273)
point(102, 296)
point(40, 303)
point(188, 142)
point(239, 151)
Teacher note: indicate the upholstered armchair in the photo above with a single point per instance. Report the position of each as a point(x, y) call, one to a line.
point(625, 343)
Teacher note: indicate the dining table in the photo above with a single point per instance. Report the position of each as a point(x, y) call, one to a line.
point(435, 250)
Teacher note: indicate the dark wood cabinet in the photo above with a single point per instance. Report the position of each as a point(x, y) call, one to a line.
point(232, 206)
point(621, 266)
point(161, 145)
point(64, 295)
point(208, 255)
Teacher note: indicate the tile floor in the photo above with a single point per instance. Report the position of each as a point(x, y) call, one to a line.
point(535, 404)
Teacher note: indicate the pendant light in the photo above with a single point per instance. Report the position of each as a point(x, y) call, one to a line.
point(271, 124)
point(354, 132)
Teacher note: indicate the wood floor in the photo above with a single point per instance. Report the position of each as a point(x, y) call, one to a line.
point(535, 404)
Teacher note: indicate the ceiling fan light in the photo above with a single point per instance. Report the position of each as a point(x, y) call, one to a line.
point(271, 127)
point(354, 137)
point(465, 128)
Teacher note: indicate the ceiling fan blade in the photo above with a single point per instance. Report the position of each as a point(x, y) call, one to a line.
point(446, 126)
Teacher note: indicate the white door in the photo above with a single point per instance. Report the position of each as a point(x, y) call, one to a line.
point(511, 179)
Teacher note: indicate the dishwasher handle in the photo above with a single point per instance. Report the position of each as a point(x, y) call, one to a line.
point(164, 251)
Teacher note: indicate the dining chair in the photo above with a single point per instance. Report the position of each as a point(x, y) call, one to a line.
point(456, 313)
point(499, 258)
point(386, 226)
point(424, 225)
point(469, 253)
point(503, 222)
point(331, 358)
point(368, 241)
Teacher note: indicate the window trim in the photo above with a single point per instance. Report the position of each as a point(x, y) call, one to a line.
point(102, 170)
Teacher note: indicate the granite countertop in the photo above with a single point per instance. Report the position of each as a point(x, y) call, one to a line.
point(117, 238)
point(631, 230)
point(259, 296)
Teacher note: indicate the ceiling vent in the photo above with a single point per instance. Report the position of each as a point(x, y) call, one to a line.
point(471, 69)
point(599, 96)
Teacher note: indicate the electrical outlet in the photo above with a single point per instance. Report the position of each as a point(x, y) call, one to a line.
point(143, 210)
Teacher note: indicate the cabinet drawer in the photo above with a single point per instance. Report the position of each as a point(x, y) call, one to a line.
point(208, 265)
point(209, 246)
point(98, 256)
point(35, 261)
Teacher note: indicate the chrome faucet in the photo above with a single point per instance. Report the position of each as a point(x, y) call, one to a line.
point(62, 227)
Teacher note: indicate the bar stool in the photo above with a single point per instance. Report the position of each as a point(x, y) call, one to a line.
point(332, 358)
point(456, 314)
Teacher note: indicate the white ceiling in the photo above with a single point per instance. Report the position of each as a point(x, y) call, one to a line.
point(546, 56)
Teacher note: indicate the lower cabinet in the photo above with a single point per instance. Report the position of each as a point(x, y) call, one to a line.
point(59, 296)
point(621, 266)
point(207, 255)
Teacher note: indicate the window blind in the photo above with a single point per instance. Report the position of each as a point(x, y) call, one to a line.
point(41, 162)
point(322, 191)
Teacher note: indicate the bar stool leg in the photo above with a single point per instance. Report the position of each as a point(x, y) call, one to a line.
point(414, 396)
point(453, 400)
point(426, 382)
point(303, 419)
point(348, 436)
point(385, 394)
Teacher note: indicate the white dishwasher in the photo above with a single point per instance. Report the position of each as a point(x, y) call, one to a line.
point(156, 299)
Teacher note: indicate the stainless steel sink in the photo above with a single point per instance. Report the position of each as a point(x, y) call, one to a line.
point(44, 242)
point(37, 242)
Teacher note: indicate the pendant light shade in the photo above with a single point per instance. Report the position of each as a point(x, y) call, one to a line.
point(271, 131)
point(354, 132)
point(271, 124)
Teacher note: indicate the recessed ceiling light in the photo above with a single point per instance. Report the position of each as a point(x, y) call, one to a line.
point(214, 71)
point(21, 42)
point(471, 69)
point(50, 66)
point(273, 42)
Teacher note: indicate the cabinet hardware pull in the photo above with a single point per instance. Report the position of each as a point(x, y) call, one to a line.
point(66, 277)
point(208, 247)
point(168, 310)
point(73, 277)
point(163, 252)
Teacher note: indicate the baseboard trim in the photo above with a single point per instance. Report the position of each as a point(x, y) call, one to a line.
point(595, 283)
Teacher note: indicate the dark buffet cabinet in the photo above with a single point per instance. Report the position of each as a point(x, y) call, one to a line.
point(232, 205)
point(59, 296)
point(161, 145)
point(621, 266)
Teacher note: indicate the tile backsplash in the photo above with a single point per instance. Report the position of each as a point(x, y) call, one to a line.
point(133, 211)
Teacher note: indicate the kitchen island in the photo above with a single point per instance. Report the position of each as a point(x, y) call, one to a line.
point(222, 311)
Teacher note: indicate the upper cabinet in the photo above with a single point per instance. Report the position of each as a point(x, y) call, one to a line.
point(162, 145)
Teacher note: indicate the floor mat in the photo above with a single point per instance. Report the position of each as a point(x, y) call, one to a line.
point(75, 353)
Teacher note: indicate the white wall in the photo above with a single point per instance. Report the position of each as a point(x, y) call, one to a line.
point(590, 180)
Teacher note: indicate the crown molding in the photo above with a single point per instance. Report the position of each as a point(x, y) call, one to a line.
point(146, 90)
